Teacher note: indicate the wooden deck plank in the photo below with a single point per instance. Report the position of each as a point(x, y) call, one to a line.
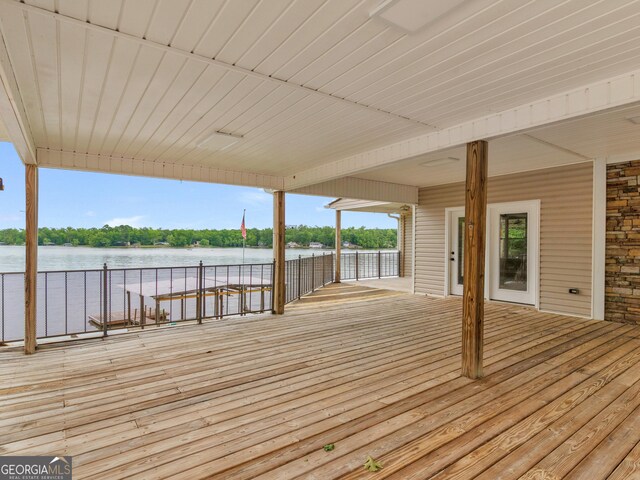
point(374, 373)
point(110, 405)
point(408, 443)
point(566, 392)
point(629, 467)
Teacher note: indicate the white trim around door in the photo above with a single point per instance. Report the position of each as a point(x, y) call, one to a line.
point(512, 262)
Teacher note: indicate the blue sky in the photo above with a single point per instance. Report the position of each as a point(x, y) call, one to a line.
point(85, 199)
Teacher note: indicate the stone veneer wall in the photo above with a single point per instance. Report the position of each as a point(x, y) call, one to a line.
point(622, 284)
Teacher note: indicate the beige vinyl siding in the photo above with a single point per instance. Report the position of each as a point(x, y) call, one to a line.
point(407, 244)
point(565, 194)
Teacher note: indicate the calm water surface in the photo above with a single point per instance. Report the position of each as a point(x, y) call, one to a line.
point(87, 258)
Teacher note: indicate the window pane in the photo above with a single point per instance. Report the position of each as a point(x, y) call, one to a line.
point(513, 251)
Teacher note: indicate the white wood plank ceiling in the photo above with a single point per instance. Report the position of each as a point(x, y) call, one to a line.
point(507, 155)
point(4, 136)
point(305, 82)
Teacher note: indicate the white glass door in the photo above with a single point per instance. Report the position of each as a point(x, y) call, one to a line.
point(456, 251)
point(513, 252)
point(511, 261)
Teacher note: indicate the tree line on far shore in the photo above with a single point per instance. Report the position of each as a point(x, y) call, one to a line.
point(124, 235)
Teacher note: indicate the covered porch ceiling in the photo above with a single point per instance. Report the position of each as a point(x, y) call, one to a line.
point(353, 205)
point(315, 91)
point(4, 135)
point(611, 134)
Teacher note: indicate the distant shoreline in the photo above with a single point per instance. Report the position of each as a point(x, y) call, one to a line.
point(169, 247)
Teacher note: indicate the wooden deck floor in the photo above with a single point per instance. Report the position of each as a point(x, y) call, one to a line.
point(258, 397)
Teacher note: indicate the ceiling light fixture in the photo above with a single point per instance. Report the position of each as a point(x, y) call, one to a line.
point(635, 120)
point(218, 141)
point(436, 162)
point(413, 15)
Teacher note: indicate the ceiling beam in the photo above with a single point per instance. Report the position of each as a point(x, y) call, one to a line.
point(12, 110)
point(626, 157)
point(143, 168)
point(362, 189)
point(556, 147)
point(214, 62)
point(595, 97)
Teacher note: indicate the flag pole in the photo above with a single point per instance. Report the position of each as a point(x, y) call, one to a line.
point(244, 238)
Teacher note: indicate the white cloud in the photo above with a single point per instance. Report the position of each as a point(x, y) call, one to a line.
point(90, 213)
point(131, 221)
point(255, 198)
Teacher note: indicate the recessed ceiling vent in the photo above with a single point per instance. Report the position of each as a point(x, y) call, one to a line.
point(218, 141)
point(410, 16)
point(436, 162)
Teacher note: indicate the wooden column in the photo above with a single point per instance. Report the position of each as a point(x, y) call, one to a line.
point(338, 244)
point(402, 225)
point(31, 265)
point(474, 248)
point(278, 253)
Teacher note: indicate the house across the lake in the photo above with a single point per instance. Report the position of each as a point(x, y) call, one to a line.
point(501, 340)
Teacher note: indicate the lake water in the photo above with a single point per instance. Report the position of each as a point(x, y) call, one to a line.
point(86, 258)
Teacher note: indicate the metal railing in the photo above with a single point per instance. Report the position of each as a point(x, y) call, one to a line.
point(303, 275)
point(82, 301)
point(357, 266)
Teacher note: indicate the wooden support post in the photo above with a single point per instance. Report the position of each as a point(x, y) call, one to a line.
point(402, 225)
point(474, 252)
point(278, 253)
point(31, 265)
point(338, 244)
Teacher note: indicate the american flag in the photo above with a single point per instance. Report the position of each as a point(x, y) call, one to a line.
point(243, 229)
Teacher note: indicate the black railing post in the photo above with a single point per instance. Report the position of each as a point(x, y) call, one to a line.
point(324, 270)
point(399, 262)
point(299, 276)
point(105, 296)
point(333, 266)
point(313, 272)
point(379, 264)
point(199, 287)
point(357, 273)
